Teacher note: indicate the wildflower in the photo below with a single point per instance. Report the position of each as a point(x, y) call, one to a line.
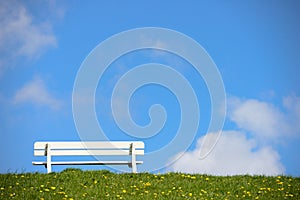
point(124, 191)
point(190, 194)
point(53, 188)
point(147, 184)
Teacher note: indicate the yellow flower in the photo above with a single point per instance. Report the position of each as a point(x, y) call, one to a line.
point(124, 191)
point(53, 188)
point(147, 184)
point(190, 194)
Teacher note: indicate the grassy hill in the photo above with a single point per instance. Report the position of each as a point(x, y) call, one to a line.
point(76, 184)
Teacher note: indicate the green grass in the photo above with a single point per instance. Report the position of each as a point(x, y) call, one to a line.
point(76, 184)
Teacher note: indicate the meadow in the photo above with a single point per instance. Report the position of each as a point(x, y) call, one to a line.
point(75, 184)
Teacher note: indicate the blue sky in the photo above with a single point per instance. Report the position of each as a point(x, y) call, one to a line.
point(254, 44)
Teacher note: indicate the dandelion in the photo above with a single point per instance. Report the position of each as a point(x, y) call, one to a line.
point(53, 188)
point(190, 194)
point(124, 191)
point(147, 184)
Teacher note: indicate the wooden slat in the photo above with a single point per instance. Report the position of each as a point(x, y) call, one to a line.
point(90, 145)
point(87, 163)
point(84, 152)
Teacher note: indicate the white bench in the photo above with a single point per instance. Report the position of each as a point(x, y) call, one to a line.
point(90, 148)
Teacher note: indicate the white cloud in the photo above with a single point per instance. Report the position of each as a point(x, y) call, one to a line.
point(259, 118)
point(20, 35)
point(264, 120)
point(234, 154)
point(292, 105)
point(36, 93)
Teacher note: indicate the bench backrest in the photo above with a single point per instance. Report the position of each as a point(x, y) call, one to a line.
point(90, 148)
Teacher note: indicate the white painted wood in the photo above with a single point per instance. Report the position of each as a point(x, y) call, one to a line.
point(87, 163)
point(48, 150)
point(90, 148)
point(90, 145)
point(133, 158)
point(86, 152)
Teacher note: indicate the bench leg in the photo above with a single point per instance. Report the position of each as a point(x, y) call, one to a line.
point(133, 159)
point(48, 159)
